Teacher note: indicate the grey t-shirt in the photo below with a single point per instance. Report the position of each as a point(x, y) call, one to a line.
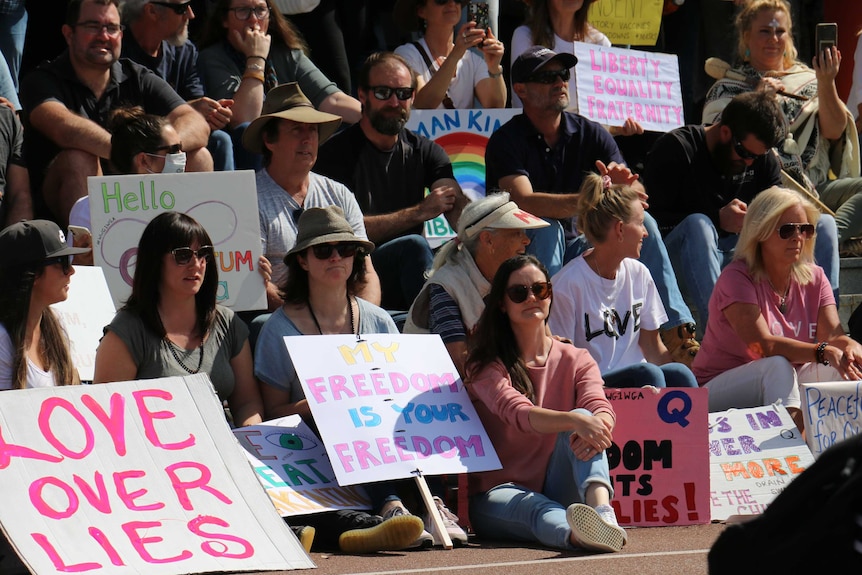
point(154, 358)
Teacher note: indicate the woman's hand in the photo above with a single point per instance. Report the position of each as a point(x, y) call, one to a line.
point(467, 37)
point(592, 435)
point(826, 65)
point(493, 50)
point(264, 268)
point(847, 362)
point(770, 85)
point(251, 42)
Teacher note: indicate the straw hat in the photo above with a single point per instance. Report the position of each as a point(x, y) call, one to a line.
point(323, 226)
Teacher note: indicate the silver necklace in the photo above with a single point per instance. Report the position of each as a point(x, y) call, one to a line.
point(782, 299)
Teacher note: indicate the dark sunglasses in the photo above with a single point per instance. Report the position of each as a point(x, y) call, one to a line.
point(742, 152)
point(324, 251)
point(550, 76)
point(180, 8)
point(172, 149)
point(184, 255)
point(787, 231)
point(518, 294)
point(385, 92)
point(64, 262)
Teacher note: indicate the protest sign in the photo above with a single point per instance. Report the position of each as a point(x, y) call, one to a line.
point(292, 465)
point(390, 405)
point(831, 413)
point(754, 454)
point(224, 203)
point(134, 477)
point(658, 460)
point(615, 84)
point(84, 314)
point(630, 22)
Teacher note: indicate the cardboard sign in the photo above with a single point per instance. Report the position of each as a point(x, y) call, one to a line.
point(224, 203)
point(616, 84)
point(292, 465)
point(134, 477)
point(630, 22)
point(831, 413)
point(84, 314)
point(658, 460)
point(754, 454)
point(390, 405)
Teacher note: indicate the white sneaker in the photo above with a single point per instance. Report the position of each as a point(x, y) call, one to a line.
point(424, 541)
point(450, 522)
point(593, 531)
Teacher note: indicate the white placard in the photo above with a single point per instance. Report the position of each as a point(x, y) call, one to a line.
point(831, 413)
point(390, 405)
point(224, 203)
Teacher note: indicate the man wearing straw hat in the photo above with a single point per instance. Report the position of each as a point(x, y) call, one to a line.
point(288, 133)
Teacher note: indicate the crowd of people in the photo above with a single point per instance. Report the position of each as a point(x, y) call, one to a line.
point(743, 217)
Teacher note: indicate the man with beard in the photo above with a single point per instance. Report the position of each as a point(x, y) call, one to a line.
point(388, 168)
point(540, 157)
point(157, 36)
point(67, 102)
point(701, 180)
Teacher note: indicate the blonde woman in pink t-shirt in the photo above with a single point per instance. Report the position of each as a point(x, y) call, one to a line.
point(542, 403)
point(773, 322)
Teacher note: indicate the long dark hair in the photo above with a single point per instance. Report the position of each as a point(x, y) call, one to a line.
point(133, 131)
point(164, 233)
point(541, 30)
point(295, 288)
point(493, 339)
point(16, 286)
point(280, 29)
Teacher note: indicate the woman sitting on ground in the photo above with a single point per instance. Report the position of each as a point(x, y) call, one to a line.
point(605, 299)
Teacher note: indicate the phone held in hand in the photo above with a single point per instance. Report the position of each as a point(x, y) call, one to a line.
point(826, 36)
point(478, 13)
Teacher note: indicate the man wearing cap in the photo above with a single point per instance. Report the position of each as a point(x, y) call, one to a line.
point(388, 168)
point(540, 158)
point(288, 134)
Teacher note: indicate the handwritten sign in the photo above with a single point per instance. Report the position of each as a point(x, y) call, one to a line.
point(224, 203)
point(831, 413)
point(84, 314)
point(753, 455)
point(629, 22)
point(292, 465)
point(616, 84)
point(134, 477)
point(658, 460)
point(389, 405)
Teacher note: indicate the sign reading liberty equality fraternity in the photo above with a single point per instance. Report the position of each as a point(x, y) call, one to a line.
point(134, 477)
point(224, 203)
point(658, 460)
point(388, 405)
point(754, 454)
point(615, 84)
point(292, 465)
point(832, 413)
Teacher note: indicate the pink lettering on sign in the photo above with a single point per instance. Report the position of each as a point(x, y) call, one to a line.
point(217, 548)
point(114, 422)
point(45, 413)
point(140, 542)
point(182, 487)
point(148, 418)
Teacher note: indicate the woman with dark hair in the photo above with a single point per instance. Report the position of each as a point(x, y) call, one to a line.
point(543, 405)
point(35, 270)
point(171, 324)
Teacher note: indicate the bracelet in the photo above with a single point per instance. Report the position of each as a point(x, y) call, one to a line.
point(819, 355)
point(495, 74)
point(254, 76)
point(250, 57)
point(257, 67)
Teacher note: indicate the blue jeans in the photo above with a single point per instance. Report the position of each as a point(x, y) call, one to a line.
point(653, 255)
point(13, 28)
point(513, 512)
point(401, 264)
point(7, 85)
point(220, 146)
point(640, 374)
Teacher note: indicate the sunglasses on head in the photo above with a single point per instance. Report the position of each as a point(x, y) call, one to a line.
point(324, 251)
point(550, 76)
point(742, 152)
point(184, 255)
point(787, 231)
point(385, 92)
point(180, 8)
point(64, 262)
point(519, 293)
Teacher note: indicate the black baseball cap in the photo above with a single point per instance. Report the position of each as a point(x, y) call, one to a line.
point(32, 241)
point(534, 58)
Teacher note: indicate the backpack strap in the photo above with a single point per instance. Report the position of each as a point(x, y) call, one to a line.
point(447, 101)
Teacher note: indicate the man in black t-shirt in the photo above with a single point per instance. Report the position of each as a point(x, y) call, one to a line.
point(388, 168)
point(700, 181)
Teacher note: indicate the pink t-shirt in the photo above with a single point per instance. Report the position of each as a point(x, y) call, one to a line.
point(569, 379)
point(722, 349)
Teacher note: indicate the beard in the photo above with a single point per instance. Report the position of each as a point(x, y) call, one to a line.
point(391, 125)
point(181, 37)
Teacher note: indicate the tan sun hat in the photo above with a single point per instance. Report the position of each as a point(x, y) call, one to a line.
point(496, 212)
point(288, 102)
point(323, 226)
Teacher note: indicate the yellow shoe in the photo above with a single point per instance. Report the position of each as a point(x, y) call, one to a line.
point(305, 534)
point(681, 344)
point(393, 534)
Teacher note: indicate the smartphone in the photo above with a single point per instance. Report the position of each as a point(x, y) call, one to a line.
point(826, 36)
point(478, 13)
point(81, 236)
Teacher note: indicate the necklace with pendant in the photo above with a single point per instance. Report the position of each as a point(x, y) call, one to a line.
point(782, 298)
point(349, 311)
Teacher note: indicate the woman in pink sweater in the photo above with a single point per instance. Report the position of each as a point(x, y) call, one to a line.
point(543, 405)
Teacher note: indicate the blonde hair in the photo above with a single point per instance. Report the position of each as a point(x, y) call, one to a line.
point(746, 16)
point(600, 207)
point(761, 219)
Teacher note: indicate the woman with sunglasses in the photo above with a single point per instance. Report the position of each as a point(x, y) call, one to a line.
point(607, 302)
point(171, 324)
point(543, 405)
point(35, 270)
point(773, 322)
point(450, 74)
